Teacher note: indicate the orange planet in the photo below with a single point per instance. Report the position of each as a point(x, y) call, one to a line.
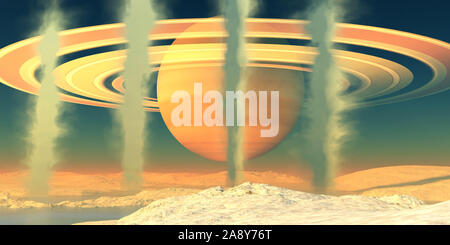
point(211, 142)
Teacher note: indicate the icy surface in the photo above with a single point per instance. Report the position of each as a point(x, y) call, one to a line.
point(140, 199)
point(264, 204)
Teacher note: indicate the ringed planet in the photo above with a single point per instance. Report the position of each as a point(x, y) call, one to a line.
point(196, 53)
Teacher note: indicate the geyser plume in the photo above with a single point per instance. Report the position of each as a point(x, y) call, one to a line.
point(325, 106)
point(45, 128)
point(139, 21)
point(235, 13)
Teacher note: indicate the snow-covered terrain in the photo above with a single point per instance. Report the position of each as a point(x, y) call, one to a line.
point(265, 204)
point(6, 201)
point(140, 199)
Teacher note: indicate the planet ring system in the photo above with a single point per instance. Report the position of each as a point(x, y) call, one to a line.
point(381, 65)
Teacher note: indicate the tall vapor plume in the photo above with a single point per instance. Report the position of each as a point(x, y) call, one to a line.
point(139, 20)
point(325, 106)
point(45, 128)
point(235, 14)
